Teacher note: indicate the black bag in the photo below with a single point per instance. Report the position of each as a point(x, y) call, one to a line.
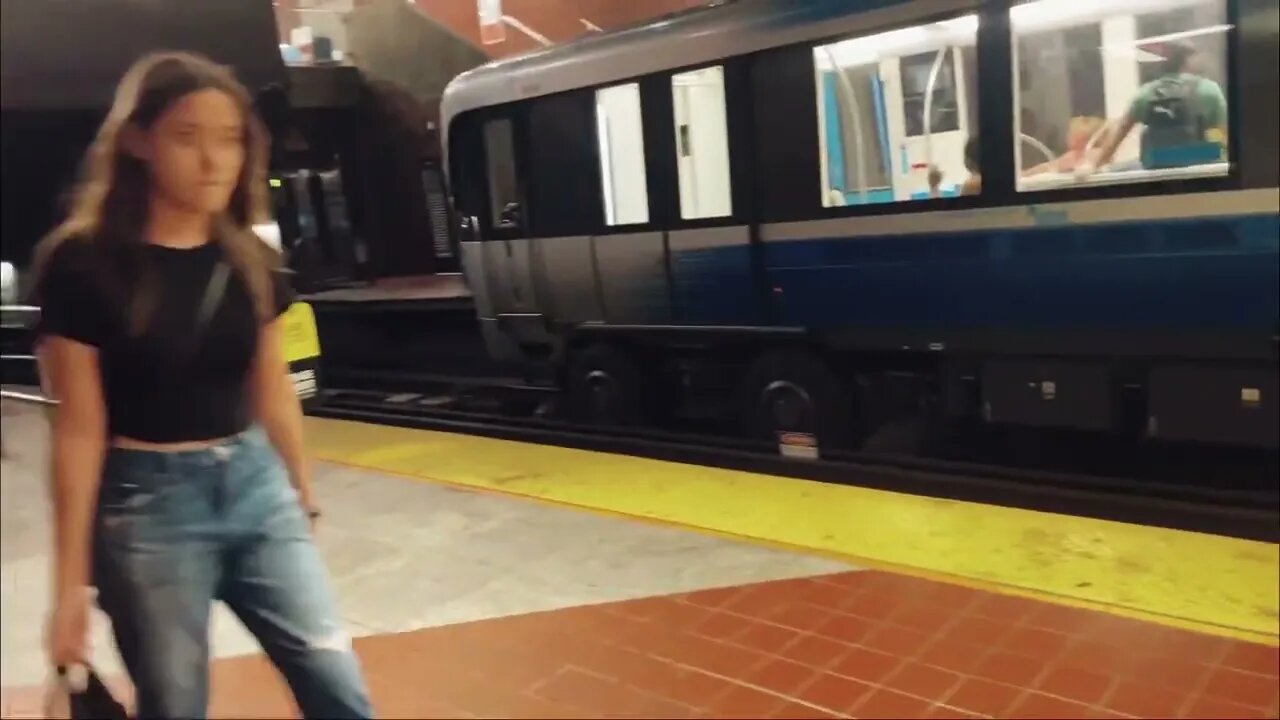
point(1173, 116)
point(79, 694)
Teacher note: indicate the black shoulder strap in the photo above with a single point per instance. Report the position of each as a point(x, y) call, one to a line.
point(214, 290)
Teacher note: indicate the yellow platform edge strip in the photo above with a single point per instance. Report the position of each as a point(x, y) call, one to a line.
point(1207, 583)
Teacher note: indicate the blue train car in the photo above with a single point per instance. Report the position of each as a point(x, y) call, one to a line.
point(1055, 213)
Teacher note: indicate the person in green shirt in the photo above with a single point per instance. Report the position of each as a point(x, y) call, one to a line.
point(1181, 109)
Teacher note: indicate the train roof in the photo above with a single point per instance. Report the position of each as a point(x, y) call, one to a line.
point(686, 39)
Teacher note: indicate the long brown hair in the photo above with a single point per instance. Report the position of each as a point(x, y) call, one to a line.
point(109, 204)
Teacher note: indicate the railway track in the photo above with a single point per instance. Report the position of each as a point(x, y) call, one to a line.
point(1248, 512)
point(510, 409)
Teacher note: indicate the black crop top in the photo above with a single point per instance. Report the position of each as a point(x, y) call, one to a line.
point(161, 387)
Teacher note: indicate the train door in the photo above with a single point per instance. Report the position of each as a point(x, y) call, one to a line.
point(702, 165)
point(508, 252)
point(629, 247)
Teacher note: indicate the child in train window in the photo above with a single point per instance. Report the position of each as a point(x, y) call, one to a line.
point(972, 184)
point(1080, 132)
point(1184, 112)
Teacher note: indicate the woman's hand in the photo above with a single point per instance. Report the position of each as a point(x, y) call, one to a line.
point(68, 630)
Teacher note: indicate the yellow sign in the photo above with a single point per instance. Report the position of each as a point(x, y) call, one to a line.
point(301, 339)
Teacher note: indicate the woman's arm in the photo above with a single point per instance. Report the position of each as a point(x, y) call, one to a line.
point(79, 445)
point(278, 408)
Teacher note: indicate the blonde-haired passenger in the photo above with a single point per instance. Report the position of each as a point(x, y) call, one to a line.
point(1080, 131)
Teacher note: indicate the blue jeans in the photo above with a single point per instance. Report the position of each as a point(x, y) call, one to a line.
point(174, 532)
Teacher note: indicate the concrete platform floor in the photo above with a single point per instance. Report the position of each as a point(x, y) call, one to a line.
point(466, 603)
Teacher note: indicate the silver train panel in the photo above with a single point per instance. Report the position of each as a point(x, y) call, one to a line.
point(704, 238)
point(566, 280)
point(479, 277)
point(501, 344)
point(632, 271)
point(510, 269)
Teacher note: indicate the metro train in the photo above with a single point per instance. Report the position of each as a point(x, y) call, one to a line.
point(837, 215)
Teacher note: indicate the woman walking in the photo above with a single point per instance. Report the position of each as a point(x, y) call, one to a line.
point(178, 468)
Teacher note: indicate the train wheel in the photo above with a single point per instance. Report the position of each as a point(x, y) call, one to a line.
point(795, 392)
point(608, 387)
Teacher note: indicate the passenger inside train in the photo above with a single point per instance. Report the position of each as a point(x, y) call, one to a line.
point(1183, 112)
point(1081, 137)
point(896, 109)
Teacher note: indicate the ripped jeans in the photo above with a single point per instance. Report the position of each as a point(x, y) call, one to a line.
point(177, 530)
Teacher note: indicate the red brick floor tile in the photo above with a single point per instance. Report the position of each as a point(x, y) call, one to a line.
point(923, 616)
point(1245, 688)
point(743, 701)
point(834, 692)
point(1075, 684)
point(1066, 620)
point(768, 639)
point(1010, 669)
point(1259, 659)
point(1208, 649)
point(782, 676)
point(635, 668)
point(867, 644)
point(815, 651)
point(712, 656)
point(1035, 642)
point(941, 711)
point(672, 616)
point(801, 616)
point(899, 641)
point(247, 687)
point(955, 599)
point(697, 689)
point(1145, 700)
point(1171, 672)
point(984, 697)
point(1208, 708)
point(657, 707)
point(1037, 705)
point(872, 604)
point(762, 599)
point(925, 681)
point(849, 629)
point(530, 707)
point(1100, 713)
point(1099, 657)
point(977, 630)
point(1008, 609)
point(854, 580)
point(870, 666)
point(579, 688)
point(954, 655)
point(718, 625)
point(828, 595)
point(885, 703)
point(797, 711)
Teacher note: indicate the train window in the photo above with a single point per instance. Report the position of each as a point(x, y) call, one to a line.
point(1145, 91)
point(620, 138)
point(702, 143)
point(504, 190)
point(563, 190)
point(896, 112)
